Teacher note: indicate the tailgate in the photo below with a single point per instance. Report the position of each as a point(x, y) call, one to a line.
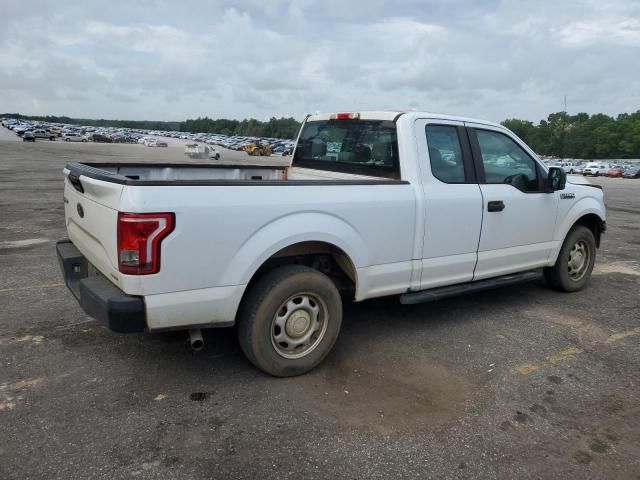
point(91, 218)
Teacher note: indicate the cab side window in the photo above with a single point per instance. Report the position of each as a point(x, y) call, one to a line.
point(445, 154)
point(505, 161)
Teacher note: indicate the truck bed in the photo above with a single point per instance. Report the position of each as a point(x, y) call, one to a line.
point(207, 174)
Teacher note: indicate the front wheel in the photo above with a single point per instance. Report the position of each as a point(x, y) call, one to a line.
point(574, 265)
point(289, 320)
point(67, 139)
point(217, 156)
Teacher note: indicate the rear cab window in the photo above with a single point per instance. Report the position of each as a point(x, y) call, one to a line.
point(445, 153)
point(364, 147)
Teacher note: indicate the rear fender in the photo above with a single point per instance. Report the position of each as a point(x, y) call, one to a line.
point(289, 230)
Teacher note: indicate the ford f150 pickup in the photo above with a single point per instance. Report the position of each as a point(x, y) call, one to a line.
point(417, 205)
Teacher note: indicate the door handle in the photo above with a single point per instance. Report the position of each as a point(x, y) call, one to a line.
point(495, 206)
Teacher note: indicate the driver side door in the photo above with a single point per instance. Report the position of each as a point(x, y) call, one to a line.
point(518, 216)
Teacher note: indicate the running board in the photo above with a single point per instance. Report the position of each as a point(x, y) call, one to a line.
point(440, 293)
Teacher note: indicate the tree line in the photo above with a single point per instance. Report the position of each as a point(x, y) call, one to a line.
point(581, 136)
point(274, 127)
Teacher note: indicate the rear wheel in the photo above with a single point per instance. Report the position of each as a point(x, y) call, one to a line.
point(574, 265)
point(67, 139)
point(289, 320)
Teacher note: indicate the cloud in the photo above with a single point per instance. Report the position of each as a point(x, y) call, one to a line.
point(249, 58)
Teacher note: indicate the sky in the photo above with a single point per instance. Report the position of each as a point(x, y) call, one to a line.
point(170, 60)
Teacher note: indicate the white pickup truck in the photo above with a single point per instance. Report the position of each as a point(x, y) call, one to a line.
point(417, 205)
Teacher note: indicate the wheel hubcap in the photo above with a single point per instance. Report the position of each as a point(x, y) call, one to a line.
point(298, 326)
point(579, 258)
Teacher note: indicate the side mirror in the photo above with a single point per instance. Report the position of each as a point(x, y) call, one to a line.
point(556, 179)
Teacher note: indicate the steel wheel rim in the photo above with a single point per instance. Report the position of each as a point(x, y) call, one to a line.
point(299, 325)
point(579, 259)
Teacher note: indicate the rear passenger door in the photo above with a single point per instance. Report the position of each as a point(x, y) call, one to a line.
point(453, 203)
point(518, 215)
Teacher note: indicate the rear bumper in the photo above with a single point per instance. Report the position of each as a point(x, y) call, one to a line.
point(97, 296)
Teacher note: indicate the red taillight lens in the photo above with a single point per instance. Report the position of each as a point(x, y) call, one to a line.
point(345, 116)
point(139, 237)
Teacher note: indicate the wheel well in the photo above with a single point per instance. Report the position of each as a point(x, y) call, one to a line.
point(322, 256)
point(594, 223)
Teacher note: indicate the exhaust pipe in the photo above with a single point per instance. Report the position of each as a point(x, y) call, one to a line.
point(195, 339)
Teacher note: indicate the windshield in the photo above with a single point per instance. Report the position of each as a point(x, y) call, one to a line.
point(366, 147)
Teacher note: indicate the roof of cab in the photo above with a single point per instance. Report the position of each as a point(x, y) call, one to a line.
point(394, 114)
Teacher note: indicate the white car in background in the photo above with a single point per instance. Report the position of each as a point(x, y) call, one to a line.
point(568, 167)
point(595, 169)
point(73, 137)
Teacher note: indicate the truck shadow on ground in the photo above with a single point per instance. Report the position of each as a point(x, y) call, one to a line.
point(382, 373)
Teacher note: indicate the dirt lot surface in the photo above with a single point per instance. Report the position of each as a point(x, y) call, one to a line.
point(521, 382)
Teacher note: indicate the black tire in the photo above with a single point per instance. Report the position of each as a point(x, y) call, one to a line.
point(559, 276)
point(52, 139)
point(217, 156)
point(67, 139)
point(264, 303)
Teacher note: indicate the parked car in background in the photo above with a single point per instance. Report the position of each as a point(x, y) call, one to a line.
point(579, 167)
point(57, 131)
point(73, 137)
point(632, 172)
point(28, 137)
point(195, 151)
point(40, 133)
point(100, 138)
point(161, 143)
point(568, 167)
point(594, 169)
point(614, 172)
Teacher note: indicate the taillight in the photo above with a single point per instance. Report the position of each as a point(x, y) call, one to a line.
point(345, 116)
point(139, 237)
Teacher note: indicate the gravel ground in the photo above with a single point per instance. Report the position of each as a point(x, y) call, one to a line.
point(521, 382)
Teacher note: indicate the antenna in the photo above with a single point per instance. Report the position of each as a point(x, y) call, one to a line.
point(564, 128)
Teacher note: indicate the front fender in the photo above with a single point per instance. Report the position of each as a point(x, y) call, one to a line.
point(584, 206)
point(288, 230)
